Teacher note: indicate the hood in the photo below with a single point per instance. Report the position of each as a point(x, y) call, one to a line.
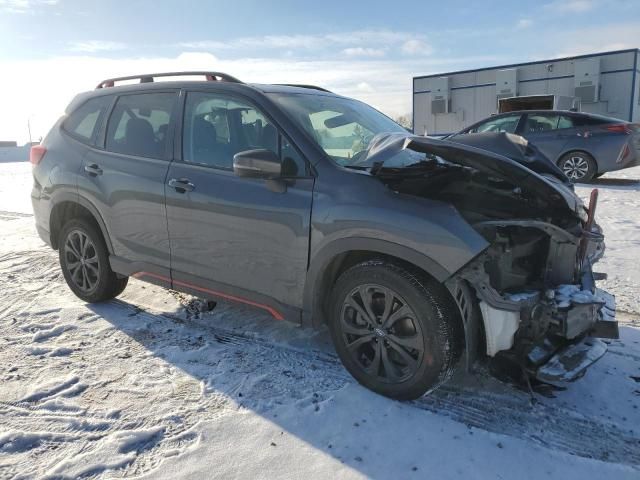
point(552, 189)
point(516, 148)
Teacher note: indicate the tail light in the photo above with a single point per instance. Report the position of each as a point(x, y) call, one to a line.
point(624, 153)
point(36, 154)
point(619, 128)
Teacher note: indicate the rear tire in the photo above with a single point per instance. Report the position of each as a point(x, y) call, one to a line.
point(397, 331)
point(84, 260)
point(578, 166)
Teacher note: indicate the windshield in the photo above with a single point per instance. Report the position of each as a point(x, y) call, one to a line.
point(344, 128)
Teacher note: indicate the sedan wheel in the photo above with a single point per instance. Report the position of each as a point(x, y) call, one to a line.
point(578, 166)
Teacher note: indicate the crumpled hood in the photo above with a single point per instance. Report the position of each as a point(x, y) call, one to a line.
point(514, 147)
point(384, 146)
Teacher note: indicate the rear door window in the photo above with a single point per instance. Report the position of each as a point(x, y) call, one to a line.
point(565, 122)
point(139, 124)
point(84, 120)
point(540, 123)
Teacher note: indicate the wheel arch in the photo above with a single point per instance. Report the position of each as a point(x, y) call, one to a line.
point(578, 150)
point(67, 209)
point(339, 255)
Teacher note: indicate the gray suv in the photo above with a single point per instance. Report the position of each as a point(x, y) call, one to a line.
point(420, 255)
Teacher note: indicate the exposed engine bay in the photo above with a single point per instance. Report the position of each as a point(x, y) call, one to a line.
point(534, 285)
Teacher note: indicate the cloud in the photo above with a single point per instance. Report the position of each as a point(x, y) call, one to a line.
point(43, 103)
point(93, 46)
point(600, 39)
point(524, 23)
point(369, 43)
point(571, 6)
point(364, 87)
point(364, 52)
point(24, 6)
point(416, 47)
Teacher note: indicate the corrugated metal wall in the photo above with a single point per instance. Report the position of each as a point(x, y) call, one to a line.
point(473, 93)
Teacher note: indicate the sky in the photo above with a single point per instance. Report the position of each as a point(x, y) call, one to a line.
point(52, 49)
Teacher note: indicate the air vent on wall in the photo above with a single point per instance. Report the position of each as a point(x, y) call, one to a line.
point(587, 79)
point(440, 96)
point(506, 83)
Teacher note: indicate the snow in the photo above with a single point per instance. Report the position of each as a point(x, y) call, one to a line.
point(149, 386)
point(618, 213)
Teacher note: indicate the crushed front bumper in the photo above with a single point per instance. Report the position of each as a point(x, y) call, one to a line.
point(572, 361)
point(559, 362)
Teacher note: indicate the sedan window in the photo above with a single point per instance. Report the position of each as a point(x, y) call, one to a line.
point(541, 123)
point(506, 124)
point(565, 122)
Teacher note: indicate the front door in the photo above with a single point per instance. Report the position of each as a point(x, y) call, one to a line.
point(245, 238)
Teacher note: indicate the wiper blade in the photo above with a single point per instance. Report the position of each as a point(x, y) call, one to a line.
point(417, 168)
point(356, 167)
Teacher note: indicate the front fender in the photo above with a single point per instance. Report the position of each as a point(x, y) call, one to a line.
point(356, 212)
point(322, 260)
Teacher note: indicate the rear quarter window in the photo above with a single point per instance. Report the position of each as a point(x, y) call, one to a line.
point(83, 122)
point(579, 121)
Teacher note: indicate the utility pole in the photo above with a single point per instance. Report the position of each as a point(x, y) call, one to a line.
point(29, 128)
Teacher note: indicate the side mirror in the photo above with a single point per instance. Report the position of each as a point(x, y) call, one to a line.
point(260, 163)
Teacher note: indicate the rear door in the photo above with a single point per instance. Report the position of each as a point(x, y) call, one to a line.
point(124, 179)
point(241, 237)
point(547, 131)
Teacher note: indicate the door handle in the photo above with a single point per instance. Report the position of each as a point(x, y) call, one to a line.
point(93, 169)
point(182, 185)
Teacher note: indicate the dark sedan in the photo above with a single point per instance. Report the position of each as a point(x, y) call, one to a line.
point(583, 145)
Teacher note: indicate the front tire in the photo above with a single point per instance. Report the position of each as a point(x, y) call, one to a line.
point(84, 260)
point(396, 331)
point(578, 166)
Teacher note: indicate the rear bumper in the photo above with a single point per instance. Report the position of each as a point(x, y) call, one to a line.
point(44, 234)
point(41, 213)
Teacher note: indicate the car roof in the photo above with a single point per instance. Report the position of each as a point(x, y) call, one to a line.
point(205, 84)
point(560, 112)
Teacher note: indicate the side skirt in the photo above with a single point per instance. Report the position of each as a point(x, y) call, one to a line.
point(203, 288)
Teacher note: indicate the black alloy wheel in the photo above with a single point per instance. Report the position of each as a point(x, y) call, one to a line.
point(396, 330)
point(381, 333)
point(84, 259)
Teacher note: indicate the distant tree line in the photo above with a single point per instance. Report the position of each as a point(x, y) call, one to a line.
point(405, 120)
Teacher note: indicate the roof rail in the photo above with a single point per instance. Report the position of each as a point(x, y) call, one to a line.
point(149, 77)
point(304, 85)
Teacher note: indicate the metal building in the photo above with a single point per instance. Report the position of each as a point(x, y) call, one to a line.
point(605, 83)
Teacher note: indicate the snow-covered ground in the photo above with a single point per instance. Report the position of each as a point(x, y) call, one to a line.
point(149, 386)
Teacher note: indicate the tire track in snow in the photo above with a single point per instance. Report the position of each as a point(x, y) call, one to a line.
point(516, 416)
point(552, 427)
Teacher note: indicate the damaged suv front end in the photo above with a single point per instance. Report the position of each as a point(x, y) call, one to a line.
point(530, 296)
